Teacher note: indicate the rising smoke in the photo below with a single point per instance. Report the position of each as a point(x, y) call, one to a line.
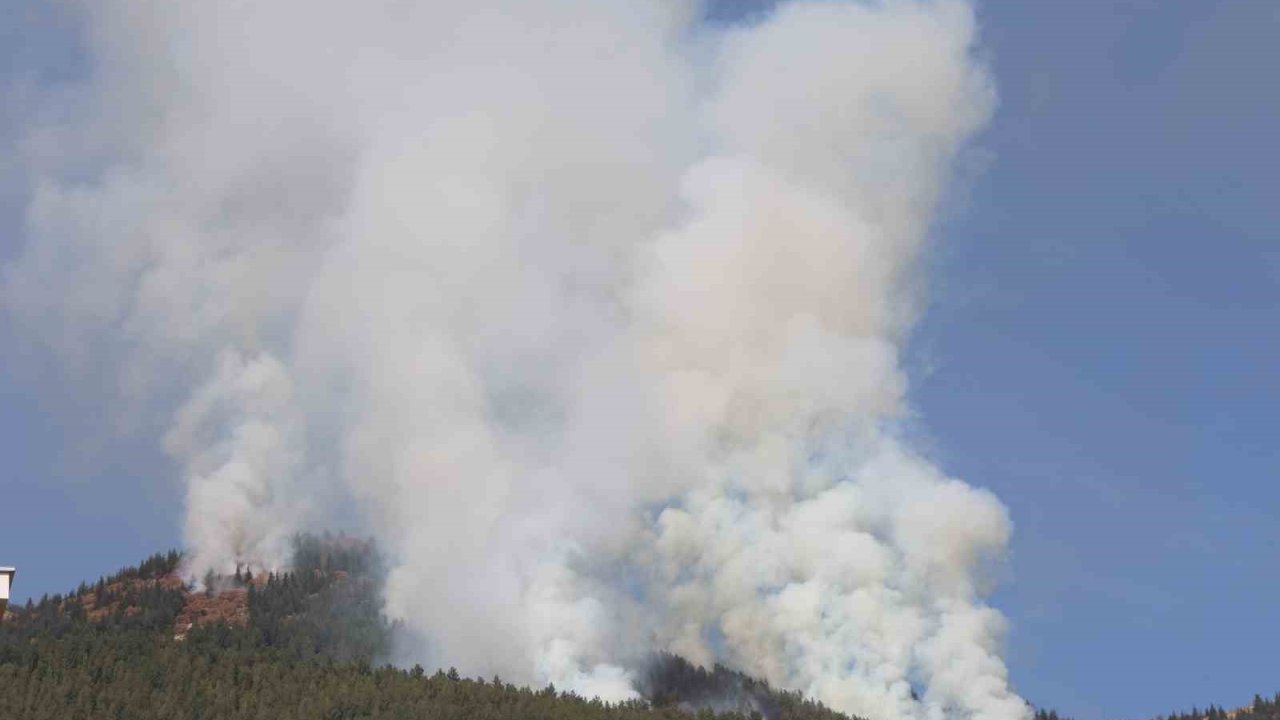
point(593, 310)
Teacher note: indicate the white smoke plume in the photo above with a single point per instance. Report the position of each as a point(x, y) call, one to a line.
point(592, 309)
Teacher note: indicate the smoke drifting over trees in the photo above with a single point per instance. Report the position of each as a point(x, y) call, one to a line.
point(592, 310)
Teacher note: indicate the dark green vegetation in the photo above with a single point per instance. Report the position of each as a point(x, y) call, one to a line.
point(300, 645)
point(306, 644)
point(1259, 709)
point(672, 681)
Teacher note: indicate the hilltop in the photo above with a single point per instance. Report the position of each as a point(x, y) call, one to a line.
point(145, 644)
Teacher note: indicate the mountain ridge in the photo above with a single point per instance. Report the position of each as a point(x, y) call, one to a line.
point(144, 642)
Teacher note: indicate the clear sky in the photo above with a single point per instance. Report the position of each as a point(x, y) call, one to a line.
point(1100, 350)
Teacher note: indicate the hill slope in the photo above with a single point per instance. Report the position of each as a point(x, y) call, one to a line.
point(141, 644)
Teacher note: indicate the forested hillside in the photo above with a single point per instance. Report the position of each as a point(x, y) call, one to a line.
point(306, 644)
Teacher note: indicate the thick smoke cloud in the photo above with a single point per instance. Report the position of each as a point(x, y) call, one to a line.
point(594, 312)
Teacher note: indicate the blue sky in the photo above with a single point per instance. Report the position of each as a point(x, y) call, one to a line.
point(1100, 351)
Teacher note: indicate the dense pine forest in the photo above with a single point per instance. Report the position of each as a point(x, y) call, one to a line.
point(307, 645)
